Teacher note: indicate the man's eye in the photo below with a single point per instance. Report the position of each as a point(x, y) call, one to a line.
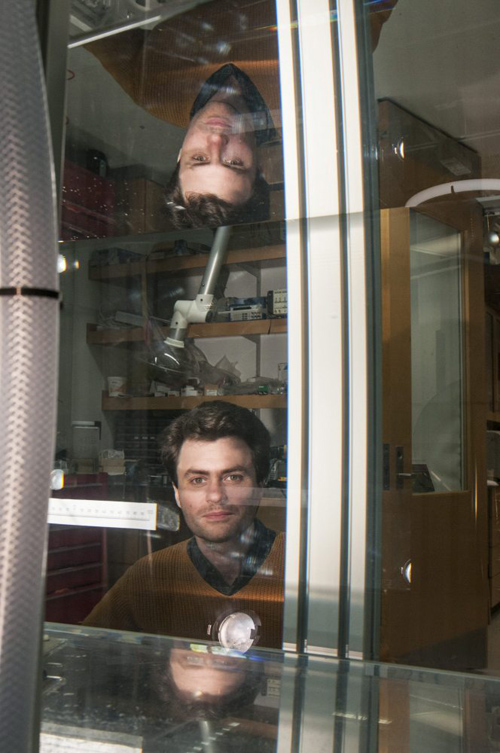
point(197, 481)
point(233, 163)
point(234, 478)
point(200, 158)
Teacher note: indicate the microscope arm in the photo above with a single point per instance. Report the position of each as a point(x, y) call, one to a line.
point(197, 310)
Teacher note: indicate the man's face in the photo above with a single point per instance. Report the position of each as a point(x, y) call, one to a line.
point(207, 676)
point(218, 155)
point(217, 489)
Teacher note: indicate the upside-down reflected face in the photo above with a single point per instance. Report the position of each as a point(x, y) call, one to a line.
point(205, 676)
point(218, 155)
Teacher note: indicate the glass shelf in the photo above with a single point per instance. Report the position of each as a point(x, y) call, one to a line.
point(150, 693)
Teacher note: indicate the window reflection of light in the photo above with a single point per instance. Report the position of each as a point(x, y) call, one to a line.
point(493, 238)
point(63, 266)
point(399, 149)
point(406, 571)
point(57, 479)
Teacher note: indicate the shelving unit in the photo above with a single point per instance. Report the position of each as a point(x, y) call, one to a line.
point(186, 403)
point(250, 259)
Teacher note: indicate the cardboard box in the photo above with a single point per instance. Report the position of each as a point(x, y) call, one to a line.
point(112, 466)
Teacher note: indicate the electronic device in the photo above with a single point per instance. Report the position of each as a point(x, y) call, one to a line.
point(245, 309)
point(277, 303)
point(278, 467)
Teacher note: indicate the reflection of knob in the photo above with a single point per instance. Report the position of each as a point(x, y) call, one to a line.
point(237, 631)
point(493, 238)
point(406, 571)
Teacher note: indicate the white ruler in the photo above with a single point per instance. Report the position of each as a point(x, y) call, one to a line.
point(103, 513)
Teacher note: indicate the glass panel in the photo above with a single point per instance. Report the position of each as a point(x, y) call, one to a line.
point(173, 273)
point(437, 154)
point(436, 356)
point(113, 692)
point(93, 18)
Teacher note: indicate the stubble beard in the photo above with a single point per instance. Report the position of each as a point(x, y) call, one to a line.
point(208, 532)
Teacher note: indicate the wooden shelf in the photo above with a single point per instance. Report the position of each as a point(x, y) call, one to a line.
point(185, 265)
point(113, 336)
point(493, 417)
point(235, 329)
point(186, 403)
point(216, 329)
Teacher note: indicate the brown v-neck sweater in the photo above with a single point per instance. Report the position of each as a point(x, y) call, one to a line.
point(164, 593)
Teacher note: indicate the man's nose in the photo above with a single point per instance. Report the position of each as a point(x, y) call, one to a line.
point(215, 491)
point(217, 140)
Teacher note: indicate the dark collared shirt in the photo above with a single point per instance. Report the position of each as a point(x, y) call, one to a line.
point(263, 539)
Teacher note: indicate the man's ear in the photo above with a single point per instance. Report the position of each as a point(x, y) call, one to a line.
point(176, 495)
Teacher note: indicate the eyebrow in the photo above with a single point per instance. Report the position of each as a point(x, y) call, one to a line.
point(238, 168)
point(195, 472)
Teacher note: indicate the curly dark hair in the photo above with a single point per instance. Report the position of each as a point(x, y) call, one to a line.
point(214, 420)
point(207, 210)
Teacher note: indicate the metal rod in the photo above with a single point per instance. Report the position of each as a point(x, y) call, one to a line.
point(216, 260)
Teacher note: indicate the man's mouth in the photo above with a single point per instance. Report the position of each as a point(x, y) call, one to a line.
point(216, 122)
point(218, 515)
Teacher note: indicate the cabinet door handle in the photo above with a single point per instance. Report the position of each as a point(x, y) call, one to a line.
point(400, 474)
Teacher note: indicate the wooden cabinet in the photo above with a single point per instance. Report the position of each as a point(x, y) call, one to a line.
point(493, 365)
point(76, 572)
point(76, 560)
point(494, 545)
point(493, 424)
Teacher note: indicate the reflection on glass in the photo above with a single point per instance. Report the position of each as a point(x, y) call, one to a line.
point(217, 456)
point(436, 336)
point(199, 148)
point(218, 179)
point(187, 103)
point(437, 718)
point(154, 694)
point(200, 676)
